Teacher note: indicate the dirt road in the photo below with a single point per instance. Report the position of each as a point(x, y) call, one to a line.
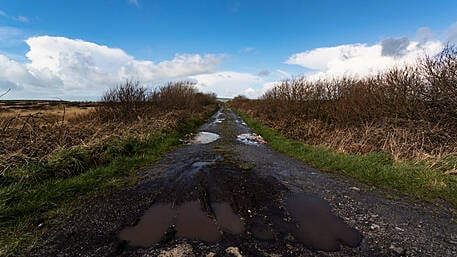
point(237, 197)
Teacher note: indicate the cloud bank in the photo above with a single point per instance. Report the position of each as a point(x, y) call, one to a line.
point(229, 83)
point(63, 67)
point(363, 59)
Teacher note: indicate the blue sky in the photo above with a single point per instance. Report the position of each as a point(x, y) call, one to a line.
point(227, 46)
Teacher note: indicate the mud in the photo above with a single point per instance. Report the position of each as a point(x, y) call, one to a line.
point(230, 195)
point(318, 227)
point(221, 198)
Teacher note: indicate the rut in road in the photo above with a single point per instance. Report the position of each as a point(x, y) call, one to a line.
point(225, 190)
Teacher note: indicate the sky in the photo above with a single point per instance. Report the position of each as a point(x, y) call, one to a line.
point(77, 49)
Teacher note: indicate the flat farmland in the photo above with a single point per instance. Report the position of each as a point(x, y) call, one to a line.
point(56, 110)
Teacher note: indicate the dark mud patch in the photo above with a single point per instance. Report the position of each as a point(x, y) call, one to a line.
point(220, 201)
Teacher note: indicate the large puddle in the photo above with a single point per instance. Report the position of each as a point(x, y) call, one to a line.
point(188, 221)
point(151, 228)
point(222, 201)
point(205, 138)
point(318, 227)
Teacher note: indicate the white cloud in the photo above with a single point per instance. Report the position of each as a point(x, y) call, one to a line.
point(230, 83)
point(424, 34)
point(75, 69)
point(362, 59)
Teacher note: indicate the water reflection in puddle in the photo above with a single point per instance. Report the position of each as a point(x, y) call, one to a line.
point(152, 226)
point(197, 166)
point(218, 117)
point(227, 219)
point(318, 227)
point(312, 223)
point(205, 138)
point(250, 139)
point(307, 217)
point(189, 221)
point(192, 223)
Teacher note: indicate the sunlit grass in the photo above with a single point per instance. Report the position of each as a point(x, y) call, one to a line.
point(417, 179)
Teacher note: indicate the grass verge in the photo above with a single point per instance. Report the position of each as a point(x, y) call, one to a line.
point(44, 191)
point(376, 169)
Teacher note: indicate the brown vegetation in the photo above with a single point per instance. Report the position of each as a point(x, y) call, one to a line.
point(32, 131)
point(409, 112)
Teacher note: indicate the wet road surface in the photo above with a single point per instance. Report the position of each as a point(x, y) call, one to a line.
point(227, 192)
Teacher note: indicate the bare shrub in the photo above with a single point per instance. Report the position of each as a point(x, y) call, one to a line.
point(180, 95)
point(123, 102)
point(409, 111)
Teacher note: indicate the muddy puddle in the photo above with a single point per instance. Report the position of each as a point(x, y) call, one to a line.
point(187, 220)
point(227, 219)
point(317, 227)
point(221, 201)
point(151, 228)
point(205, 138)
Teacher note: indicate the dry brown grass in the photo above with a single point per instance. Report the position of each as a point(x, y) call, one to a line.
point(32, 131)
point(409, 112)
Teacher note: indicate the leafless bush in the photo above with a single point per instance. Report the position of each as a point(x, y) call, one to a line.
point(409, 111)
point(126, 111)
point(123, 102)
point(131, 100)
point(180, 95)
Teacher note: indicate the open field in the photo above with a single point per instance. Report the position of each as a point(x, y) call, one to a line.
point(54, 152)
point(54, 110)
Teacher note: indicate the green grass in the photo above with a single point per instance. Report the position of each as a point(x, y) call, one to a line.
point(40, 192)
point(416, 179)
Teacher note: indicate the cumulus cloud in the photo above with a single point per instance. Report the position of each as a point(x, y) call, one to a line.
point(424, 34)
point(63, 67)
point(230, 83)
point(362, 59)
point(395, 47)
